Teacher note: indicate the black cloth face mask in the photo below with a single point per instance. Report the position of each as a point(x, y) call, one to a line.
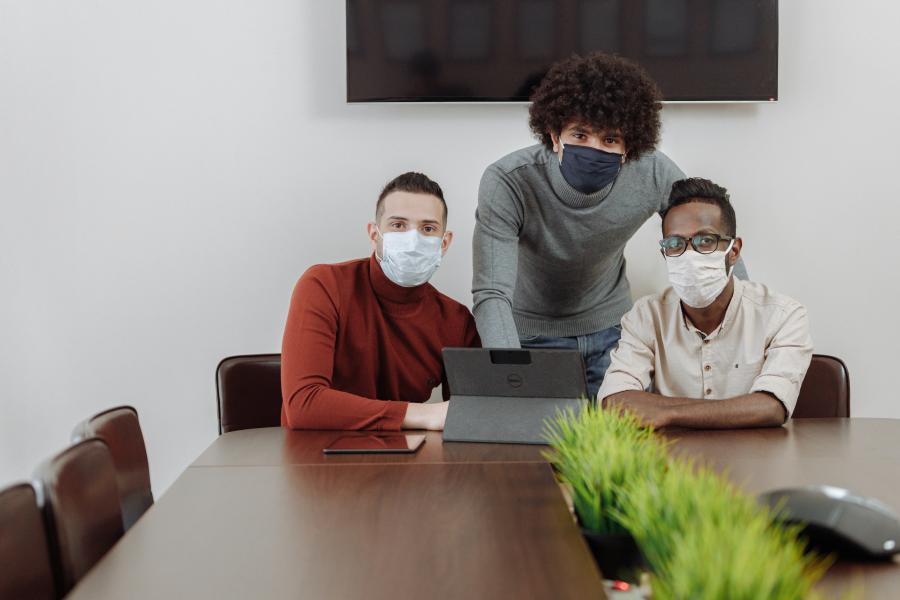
point(587, 169)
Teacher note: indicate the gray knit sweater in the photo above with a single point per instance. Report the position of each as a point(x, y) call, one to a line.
point(548, 260)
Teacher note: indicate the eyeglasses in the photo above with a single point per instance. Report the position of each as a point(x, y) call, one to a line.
point(704, 243)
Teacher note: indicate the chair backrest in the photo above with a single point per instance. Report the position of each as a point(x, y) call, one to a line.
point(25, 567)
point(826, 389)
point(81, 508)
point(249, 392)
point(121, 430)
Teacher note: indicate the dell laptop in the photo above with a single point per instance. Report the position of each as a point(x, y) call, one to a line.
point(506, 395)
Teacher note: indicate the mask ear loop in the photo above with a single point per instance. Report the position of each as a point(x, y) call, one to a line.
point(728, 269)
point(381, 235)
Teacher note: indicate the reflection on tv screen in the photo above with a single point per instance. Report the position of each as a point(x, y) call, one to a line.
point(498, 50)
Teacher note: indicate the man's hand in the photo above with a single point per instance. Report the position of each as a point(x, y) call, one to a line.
point(426, 416)
point(648, 412)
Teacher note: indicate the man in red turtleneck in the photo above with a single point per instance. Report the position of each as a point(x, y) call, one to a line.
point(363, 339)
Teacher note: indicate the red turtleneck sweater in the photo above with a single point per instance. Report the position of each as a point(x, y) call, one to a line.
point(358, 348)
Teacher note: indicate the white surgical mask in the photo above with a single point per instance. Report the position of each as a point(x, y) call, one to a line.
point(698, 279)
point(408, 257)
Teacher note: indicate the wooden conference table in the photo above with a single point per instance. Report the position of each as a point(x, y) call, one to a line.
point(262, 513)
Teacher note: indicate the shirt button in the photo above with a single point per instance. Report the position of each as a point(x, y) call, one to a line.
point(708, 391)
point(707, 368)
point(705, 341)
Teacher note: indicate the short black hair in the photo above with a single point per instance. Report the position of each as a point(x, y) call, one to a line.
point(415, 183)
point(603, 92)
point(697, 189)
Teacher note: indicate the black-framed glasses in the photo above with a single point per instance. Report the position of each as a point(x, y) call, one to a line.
point(704, 243)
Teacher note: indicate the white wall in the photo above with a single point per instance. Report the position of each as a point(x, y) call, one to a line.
point(169, 168)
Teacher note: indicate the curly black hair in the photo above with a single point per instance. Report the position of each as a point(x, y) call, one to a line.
point(603, 92)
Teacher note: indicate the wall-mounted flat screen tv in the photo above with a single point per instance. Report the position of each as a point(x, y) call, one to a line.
point(498, 50)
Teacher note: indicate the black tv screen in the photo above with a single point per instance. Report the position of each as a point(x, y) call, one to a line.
point(498, 50)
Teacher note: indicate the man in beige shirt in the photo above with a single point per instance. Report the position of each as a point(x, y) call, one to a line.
point(713, 351)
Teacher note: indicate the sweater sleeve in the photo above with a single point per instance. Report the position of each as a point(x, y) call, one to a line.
point(495, 255)
point(665, 173)
point(307, 365)
point(471, 339)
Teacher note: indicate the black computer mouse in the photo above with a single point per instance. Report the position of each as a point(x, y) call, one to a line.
point(837, 521)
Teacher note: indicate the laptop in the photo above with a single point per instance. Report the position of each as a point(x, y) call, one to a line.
point(507, 396)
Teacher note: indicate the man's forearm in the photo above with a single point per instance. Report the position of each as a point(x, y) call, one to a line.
point(317, 406)
point(632, 398)
point(495, 256)
point(750, 410)
point(496, 327)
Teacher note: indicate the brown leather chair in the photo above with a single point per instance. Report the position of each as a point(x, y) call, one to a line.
point(25, 567)
point(120, 429)
point(81, 508)
point(825, 391)
point(249, 392)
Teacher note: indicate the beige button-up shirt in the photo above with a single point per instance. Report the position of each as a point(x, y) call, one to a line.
point(763, 344)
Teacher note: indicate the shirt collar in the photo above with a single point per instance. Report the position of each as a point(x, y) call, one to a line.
point(730, 312)
point(734, 305)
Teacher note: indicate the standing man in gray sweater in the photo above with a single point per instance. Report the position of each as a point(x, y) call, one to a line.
point(553, 219)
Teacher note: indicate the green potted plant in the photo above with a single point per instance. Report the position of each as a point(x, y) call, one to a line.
point(599, 455)
point(704, 539)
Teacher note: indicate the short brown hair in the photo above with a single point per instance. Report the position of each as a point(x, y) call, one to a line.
point(414, 183)
point(600, 91)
